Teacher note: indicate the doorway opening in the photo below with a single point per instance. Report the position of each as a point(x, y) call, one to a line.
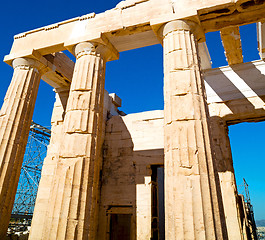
point(120, 222)
point(157, 203)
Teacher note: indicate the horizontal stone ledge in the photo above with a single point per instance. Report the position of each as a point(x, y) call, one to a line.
point(241, 81)
point(59, 68)
point(123, 32)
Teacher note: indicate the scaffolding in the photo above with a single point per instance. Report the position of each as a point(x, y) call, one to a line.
point(36, 150)
point(247, 213)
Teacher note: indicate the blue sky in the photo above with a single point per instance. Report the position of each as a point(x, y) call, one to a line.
point(137, 77)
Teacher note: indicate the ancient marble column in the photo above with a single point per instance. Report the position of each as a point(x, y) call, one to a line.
point(224, 166)
point(15, 119)
point(73, 205)
point(192, 192)
point(42, 207)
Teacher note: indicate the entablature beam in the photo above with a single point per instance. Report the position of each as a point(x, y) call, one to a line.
point(60, 72)
point(232, 45)
point(237, 93)
point(127, 26)
point(59, 68)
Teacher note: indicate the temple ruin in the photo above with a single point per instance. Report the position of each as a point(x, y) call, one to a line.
point(151, 175)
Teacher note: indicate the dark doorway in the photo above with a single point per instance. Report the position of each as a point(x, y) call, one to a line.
point(158, 206)
point(120, 226)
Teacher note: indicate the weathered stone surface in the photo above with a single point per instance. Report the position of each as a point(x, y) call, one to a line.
point(15, 119)
point(261, 39)
point(190, 175)
point(69, 203)
point(236, 93)
point(42, 206)
point(132, 144)
point(224, 166)
point(128, 24)
point(72, 212)
point(232, 45)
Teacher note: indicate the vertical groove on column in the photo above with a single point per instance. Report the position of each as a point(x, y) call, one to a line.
point(98, 154)
point(40, 216)
point(87, 197)
point(224, 164)
point(59, 190)
point(218, 211)
point(205, 157)
point(15, 120)
point(192, 210)
point(73, 205)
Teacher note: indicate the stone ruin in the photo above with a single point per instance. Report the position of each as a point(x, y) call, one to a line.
point(152, 175)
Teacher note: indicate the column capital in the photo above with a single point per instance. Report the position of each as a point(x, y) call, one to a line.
point(187, 25)
point(108, 52)
point(27, 63)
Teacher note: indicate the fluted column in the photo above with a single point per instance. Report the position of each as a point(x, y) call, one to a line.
point(15, 119)
point(41, 209)
point(224, 166)
point(192, 195)
point(73, 202)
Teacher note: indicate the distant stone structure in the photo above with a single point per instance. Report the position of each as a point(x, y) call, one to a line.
point(152, 175)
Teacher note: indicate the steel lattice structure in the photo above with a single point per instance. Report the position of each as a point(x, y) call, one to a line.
point(36, 149)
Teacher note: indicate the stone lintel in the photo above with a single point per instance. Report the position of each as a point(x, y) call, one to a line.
point(236, 93)
point(28, 53)
point(60, 72)
point(59, 68)
point(234, 14)
point(239, 81)
point(212, 15)
point(232, 45)
point(239, 110)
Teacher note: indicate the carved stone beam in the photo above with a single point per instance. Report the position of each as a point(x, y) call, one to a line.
point(126, 32)
point(59, 70)
point(229, 14)
point(232, 45)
